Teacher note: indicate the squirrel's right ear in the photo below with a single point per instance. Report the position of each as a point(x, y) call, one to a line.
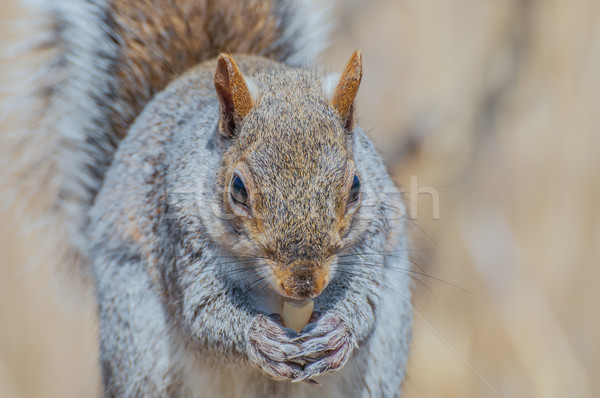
point(236, 99)
point(342, 91)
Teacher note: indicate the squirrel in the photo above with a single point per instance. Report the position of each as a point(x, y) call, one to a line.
point(204, 174)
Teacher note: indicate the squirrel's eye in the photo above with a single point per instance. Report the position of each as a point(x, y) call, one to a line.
point(238, 191)
point(354, 190)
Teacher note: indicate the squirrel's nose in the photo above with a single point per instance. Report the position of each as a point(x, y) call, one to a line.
point(303, 280)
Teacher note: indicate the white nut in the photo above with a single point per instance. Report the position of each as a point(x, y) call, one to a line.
point(296, 314)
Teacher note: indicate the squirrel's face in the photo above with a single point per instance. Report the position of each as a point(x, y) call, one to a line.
point(289, 185)
point(291, 202)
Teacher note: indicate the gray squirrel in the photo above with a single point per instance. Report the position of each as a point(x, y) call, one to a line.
point(203, 175)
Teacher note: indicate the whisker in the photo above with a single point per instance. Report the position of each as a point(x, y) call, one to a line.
point(405, 272)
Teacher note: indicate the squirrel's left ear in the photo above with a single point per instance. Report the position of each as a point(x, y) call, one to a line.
point(237, 95)
point(342, 97)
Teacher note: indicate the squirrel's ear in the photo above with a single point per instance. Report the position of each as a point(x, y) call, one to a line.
point(234, 95)
point(342, 99)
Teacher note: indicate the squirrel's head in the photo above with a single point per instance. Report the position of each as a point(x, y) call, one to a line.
point(288, 184)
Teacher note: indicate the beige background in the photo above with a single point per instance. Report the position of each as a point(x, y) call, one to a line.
point(495, 105)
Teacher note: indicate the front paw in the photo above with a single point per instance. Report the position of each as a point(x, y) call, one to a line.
point(325, 347)
point(270, 348)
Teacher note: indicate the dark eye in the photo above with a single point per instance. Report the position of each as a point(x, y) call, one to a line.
point(354, 193)
point(238, 191)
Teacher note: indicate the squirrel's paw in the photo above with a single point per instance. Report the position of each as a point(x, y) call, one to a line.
point(325, 347)
point(270, 348)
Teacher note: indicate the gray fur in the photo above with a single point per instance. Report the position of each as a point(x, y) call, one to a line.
point(182, 308)
point(160, 247)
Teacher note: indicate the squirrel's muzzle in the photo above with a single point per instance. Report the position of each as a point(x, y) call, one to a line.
point(302, 279)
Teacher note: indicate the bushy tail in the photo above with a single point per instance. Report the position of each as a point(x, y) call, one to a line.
point(90, 68)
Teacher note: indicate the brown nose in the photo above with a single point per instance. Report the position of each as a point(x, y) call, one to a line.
point(303, 280)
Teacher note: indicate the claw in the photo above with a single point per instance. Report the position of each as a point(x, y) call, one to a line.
point(317, 329)
point(328, 364)
point(313, 347)
point(308, 354)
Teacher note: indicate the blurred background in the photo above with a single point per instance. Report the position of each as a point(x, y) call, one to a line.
point(494, 104)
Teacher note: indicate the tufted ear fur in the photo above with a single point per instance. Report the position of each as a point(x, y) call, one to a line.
point(342, 99)
point(235, 97)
